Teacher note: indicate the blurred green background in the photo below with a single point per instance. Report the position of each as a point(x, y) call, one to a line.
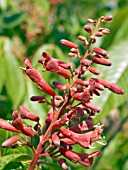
point(29, 27)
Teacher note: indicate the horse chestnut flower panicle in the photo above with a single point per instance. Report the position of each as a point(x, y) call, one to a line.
point(68, 121)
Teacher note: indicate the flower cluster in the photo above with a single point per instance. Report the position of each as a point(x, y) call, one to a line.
point(70, 118)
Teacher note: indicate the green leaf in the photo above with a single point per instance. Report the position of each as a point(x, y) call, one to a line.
point(117, 73)
point(15, 83)
point(5, 160)
point(3, 73)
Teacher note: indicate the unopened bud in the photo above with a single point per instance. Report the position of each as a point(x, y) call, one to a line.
point(26, 114)
point(74, 50)
point(100, 51)
point(10, 141)
point(91, 21)
point(98, 34)
point(71, 54)
point(34, 75)
point(91, 106)
point(106, 31)
point(46, 88)
point(87, 28)
point(93, 40)
point(40, 99)
point(116, 88)
point(81, 38)
point(101, 61)
point(94, 70)
point(68, 43)
point(108, 18)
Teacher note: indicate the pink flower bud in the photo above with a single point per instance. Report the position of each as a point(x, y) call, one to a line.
point(27, 63)
point(116, 88)
point(93, 39)
point(74, 50)
point(56, 139)
point(87, 28)
point(15, 114)
point(91, 106)
point(94, 70)
point(81, 38)
point(26, 114)
point(83, 126)
point(68, 43)
point(96, 92)
point(34, 75)
point(99, 51)
point(10, 141)
point(108, 18)
point(99, 86)
point(101, 61)
point(102, 82)
point(62, 163)
point(7, 126)
point(58, 100)
point(46, 88)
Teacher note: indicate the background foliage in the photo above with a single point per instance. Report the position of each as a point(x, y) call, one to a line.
point(32, 26)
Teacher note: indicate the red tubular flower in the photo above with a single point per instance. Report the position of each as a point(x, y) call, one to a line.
point(62, 64)
point(91, 106)
point(84, 96)
point(26, 114)
point(34, 75)
point(18, 124)
point(10, 141)
point(83, 126)
point(46, 88)
point(85, 140)
point(82, 158)
point(81, 82)
point(94, 70)
point(7, 126)
point(68, 43)
point(116, 88)
point(61, 86)
point(101, 61)
point(100, 51)
point(64, 73)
